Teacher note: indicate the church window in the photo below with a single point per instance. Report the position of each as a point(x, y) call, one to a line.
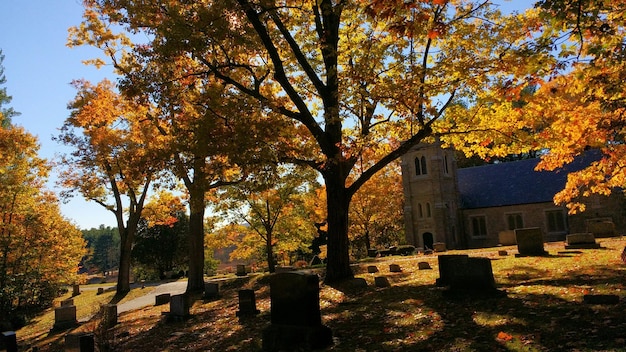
point(423, 162)
point(428, 214)
point(514, 221)
point(445, 165)
point(555, 220)
point(420, 211)
point(479, 226)
point(418, 167)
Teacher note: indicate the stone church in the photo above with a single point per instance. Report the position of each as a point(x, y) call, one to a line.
point(473, 207)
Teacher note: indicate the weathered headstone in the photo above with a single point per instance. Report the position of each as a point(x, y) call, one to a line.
point(423, 266)
point(529, 242)
point(395, 268)
point(67, 302)
point(439, 246)
point(9, 341)
point(211, 290)
point(109, 315)
point(163, 298)
point(372, 253)
point(581, 241)
point(179, 306)
point(503, 253)
point(447, 266)
point(507, 238)
point(605, 228)
point(76, 290)
point(476, 275)
point(247, 304)
point(241, 270)
point(295, 314)
point(372, 269)
point(64, 317)
point(381, 281)
point(100, 290)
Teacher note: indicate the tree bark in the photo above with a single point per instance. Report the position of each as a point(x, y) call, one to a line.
point(195, 281)
point(270, 253)
point(123, 275)
point(338, 255)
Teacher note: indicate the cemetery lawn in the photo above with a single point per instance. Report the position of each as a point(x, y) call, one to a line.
point(541, 309)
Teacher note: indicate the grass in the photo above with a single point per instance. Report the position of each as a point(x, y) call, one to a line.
point(542, 310)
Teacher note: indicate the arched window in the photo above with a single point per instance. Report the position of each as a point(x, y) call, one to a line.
point(420, 212)
point(428, 210)
point(423, 162)
point(418, 168)
point(445, 165)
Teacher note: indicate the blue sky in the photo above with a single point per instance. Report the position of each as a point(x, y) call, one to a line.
point(39, 68)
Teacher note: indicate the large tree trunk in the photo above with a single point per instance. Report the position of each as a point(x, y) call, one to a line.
point(126, 246)
point(338, 255)
point(195, 281)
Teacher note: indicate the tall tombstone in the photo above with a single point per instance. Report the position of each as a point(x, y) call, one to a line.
point(179, 306)
point(295, 314)
point(76, 290)
point(211, 290)
point(109, 315)
point(247, 304)
point(529, 241)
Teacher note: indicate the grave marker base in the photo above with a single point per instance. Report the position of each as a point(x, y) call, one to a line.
point(295, 338)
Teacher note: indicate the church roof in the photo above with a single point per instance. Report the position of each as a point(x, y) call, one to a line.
point(513, 183)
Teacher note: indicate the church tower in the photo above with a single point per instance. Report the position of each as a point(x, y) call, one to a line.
point(431, 197)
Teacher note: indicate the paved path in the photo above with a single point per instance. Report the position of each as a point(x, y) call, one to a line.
point(173, 288)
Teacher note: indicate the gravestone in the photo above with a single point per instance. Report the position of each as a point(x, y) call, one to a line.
point(475, 275)
point(179, 306)
point(211, 290)
point(163, 298)
point(439, 247)
point(503, 253)
point(67, 302)
point(372, 253)
point(395, 268)
point(247, 304)
point(447, 267)
point(86, 343)
point(581, 241)
point(64, 317)
point(100, 290)
point(604, 228)
point(296, 322)
point(507, 238)
point(381, 281)
point(372, 269)
point(529, 242)
point(9, 341)
point(241, 270)
point(109, 315)
point(423, 266)
point(75, 290)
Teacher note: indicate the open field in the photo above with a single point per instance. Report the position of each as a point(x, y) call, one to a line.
point(543, 310)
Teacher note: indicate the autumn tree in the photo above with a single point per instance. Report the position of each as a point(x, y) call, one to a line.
point(103, 244)
point(161, 243)
point(376, 212)
point(347, 75)
point(40, 250)
point(271, 209)
point(115, 159)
